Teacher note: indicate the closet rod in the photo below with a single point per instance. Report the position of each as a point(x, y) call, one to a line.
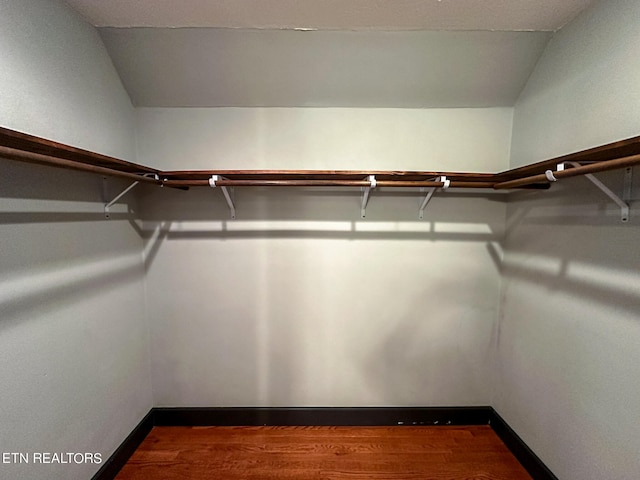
point(452, 184)
point(572, 172)
point(323, 183)
point(40, 159)
point(223, 182)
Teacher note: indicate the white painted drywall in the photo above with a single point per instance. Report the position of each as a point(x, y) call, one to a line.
point(569, 332)
point(325, 138)
point(300, 301)
point(74, 367)
point(584, 91)
point(209, 67)
point(58, 81)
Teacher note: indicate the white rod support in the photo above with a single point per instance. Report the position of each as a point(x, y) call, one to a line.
point(550, 173)
point(624, 206)
point(365, 200)
point(227, 195)
point(427, 198)
point(232, 207)
point(627, 189)
point(120, 195)
point(108, 205)
point(365, 195)
point(430, 191)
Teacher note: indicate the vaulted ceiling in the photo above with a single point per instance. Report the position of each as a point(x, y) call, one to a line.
point(331, 53)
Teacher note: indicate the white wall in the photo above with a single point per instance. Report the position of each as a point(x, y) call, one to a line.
point(301, 302)
point(569, 333)
point(325, 138)
point(584, 90)
point(74, 364)
point(58, 81)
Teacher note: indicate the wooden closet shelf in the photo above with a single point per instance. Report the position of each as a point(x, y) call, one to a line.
point(28, 148)
point(32, 144)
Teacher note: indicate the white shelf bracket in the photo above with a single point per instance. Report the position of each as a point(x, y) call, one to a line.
point(430, 191)
point(227, 192)
point(627, 189)
point(108, 205)
point(621, 202)
point(365, 194)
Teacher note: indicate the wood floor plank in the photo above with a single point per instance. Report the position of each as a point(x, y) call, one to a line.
point(323, 453)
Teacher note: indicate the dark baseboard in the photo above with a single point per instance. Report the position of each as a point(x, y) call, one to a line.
point(317, 416)
point(116, 461)
point(529, 460)
point(321, 416)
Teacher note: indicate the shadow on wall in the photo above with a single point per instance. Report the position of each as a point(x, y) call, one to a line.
point(307, 203)
point(444, 350)
point(39, 194)
point(298, 213)
point(21, 297)
point(340, 317)
point(572, 240)
point(40, 182)
point(57, 248)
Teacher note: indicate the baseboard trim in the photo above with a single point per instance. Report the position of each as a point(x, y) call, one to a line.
point(319, 416)
point(527, 458)
point(324, 416)
point(115, 462)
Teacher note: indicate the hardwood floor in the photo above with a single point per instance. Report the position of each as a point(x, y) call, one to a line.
point(327, 453)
